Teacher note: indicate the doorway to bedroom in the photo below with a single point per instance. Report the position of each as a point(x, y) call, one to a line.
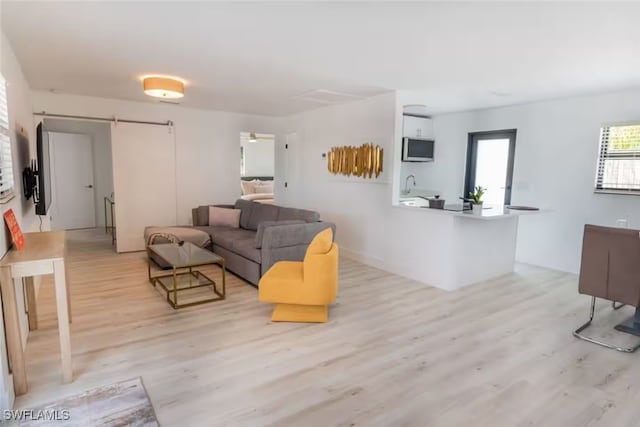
point(257, 166)
point(81, 172)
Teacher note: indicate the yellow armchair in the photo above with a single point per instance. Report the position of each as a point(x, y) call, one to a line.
point(302, 291)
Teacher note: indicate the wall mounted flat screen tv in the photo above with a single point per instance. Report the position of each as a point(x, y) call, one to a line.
point(44, 173)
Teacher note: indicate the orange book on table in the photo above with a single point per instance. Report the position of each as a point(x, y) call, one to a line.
point(14, 228)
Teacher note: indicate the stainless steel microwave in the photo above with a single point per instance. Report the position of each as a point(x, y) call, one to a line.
point(417, 150)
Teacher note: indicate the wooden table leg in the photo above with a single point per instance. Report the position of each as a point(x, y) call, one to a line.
point(12, 330)
point(59, 273)
point(32, 310)
point(68, 286)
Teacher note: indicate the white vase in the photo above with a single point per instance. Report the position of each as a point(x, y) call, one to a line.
point(476, 208)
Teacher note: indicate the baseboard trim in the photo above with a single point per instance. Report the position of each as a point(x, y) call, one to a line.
point(365, 259)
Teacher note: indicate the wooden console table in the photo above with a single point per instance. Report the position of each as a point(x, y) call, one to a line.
point(43, 253)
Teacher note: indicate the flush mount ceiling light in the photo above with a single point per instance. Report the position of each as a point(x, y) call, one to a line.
point(163, 87)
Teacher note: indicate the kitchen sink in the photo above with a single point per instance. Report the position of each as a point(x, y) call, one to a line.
point(416, 201)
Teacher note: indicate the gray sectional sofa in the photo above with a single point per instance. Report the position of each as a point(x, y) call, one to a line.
point(267, 234)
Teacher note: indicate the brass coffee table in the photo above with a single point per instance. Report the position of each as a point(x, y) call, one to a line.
point(185, 257)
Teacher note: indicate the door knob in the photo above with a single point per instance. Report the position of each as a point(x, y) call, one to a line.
point(89, 186)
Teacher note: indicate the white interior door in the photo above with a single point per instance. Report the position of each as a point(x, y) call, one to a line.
point(73, 201)
point(144, 181)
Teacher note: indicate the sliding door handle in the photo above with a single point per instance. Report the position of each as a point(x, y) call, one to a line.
point(88, 186)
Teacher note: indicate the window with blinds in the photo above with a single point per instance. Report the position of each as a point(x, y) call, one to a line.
point(619, 161)
point(6, 164)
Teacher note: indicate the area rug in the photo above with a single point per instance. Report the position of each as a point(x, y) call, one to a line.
point(117, 405)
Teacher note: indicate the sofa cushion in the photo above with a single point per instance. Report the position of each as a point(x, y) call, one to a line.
point(247, 249)
point(285, 214)
point(260, 213)
point(224, 217)
point(245, 207)
point(225, 236)
point(265, 224)
point(201, 214)
point(155, 235)
point(208, 229)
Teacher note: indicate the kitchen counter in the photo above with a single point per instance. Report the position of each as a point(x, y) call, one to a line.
point(453, 249)
point(496, 212)
point(488, 213)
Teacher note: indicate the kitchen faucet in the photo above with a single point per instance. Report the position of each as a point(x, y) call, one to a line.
point(406, 183)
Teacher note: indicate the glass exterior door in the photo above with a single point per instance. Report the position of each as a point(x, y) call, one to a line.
point(490, 165)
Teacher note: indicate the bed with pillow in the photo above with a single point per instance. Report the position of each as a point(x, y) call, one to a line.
point(257, 189)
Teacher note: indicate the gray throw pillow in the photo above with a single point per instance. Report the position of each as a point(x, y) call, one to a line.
point(263, 225)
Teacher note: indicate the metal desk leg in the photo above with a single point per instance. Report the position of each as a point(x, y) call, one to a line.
point(106, 229)
point(113, 227)
point(224, 279)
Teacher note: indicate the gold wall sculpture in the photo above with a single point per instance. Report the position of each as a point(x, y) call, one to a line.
point(363, 161)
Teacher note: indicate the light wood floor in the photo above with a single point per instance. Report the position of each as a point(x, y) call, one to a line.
point(395, 352)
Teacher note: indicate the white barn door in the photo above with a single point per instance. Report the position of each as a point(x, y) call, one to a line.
point(144, 181)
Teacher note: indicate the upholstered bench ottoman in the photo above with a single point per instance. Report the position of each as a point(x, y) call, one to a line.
point(156, 235)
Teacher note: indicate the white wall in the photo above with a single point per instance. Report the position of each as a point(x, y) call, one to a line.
point(207, 154)
point(556, 155)
point(416, 243)
point(445, 175)
point(555, 167)
point(20, 120)
point(416, 127)
point(360, 207)
point(258, 158)
point(100, 134)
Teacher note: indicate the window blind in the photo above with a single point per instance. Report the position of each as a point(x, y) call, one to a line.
point(619, 159)
point(6, 163)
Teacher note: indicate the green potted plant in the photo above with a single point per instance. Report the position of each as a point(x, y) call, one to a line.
point(476, 199)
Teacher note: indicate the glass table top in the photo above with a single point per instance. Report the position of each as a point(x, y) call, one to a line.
point(187, 255)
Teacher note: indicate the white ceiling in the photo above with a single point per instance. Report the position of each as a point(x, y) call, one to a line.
point(263, 57)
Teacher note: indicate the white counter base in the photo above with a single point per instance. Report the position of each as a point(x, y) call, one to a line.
point(450, 250)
